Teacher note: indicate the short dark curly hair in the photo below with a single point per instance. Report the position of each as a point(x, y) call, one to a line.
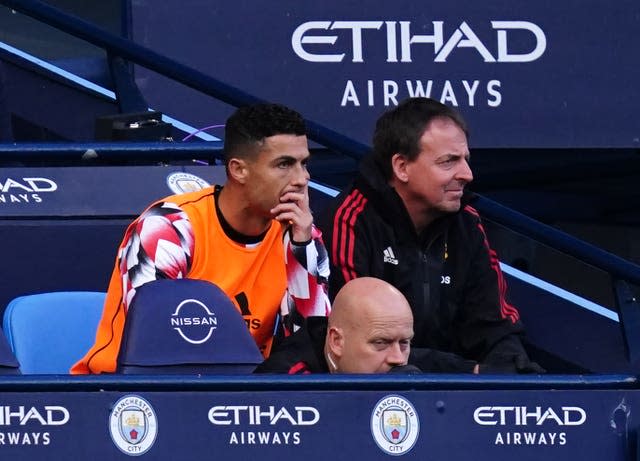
point(398, 131)
point(248, 126)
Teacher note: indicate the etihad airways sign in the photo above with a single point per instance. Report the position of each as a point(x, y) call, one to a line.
point(335, 41)
point(25, 190)
point(521, 73)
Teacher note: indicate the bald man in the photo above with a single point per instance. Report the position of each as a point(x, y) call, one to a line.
point(370, 328)
point(369, 331)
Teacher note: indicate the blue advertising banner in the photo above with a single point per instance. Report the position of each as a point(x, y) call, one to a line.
point(318, 425)
point(524, 74)
point(98, 191)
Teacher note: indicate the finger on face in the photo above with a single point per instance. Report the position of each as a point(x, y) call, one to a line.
point(290, 212)
point(293, 204)
point(285, 207)
point(288, 218)
point(295, 196)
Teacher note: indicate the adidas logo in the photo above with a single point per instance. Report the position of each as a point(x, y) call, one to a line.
point(389, 257)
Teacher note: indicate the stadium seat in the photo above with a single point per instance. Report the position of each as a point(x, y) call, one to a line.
point(185, 326)
point(49, 332)
point(8, 363)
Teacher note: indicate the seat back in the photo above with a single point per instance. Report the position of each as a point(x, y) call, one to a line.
point(8, 363)
point(49, 332)
point(185, 326)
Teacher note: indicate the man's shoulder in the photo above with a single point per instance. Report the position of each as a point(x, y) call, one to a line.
point(465, 228)
point(355, 200)
point(179, 202)
point(468, 216)
point(179, 207)
point(189, 197)
point(301, 352)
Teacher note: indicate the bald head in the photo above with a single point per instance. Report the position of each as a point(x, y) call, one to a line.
point(370, 328)
point(365, 297)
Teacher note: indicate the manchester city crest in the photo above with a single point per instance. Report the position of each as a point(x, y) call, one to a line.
point(181, 182)
point(394, 425)
point(133, 425)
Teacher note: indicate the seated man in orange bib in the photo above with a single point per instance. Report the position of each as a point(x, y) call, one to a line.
point(253, 237)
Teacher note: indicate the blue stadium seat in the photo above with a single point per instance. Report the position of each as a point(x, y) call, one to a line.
point(8, 363)
point(185, 326)
point(49, 332)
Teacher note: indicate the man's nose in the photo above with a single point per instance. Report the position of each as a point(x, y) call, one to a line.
point(301, 176)
point(396, 355)
point(464, 173)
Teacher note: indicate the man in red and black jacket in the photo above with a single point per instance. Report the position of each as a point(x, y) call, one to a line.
point(369, 331)
point(405, 220)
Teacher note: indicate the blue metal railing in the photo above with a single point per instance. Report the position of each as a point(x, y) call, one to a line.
point(54, 152)
point(617, 267)
point(320, 382)
point(156, 62)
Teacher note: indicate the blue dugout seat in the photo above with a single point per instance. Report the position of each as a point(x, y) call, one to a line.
point(185, 326)
point(49, 332)
point(8, 363)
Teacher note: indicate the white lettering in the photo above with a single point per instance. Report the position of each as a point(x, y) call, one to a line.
point(390, 92)
point(298, 39)
point(264, 438)
point(350, 95)
point(522, 416)
point(311, 45)
point(448, 95)
point(569, 413)
point(530, 438)
point(256, 415)
point(24, 438)
point(503, 49)
point(471, 91)
point(457, 41)
point(392, 55)
point(193, 321)
point(418, 91)
point(35, 184)
point(11, 183)
point(356, 34)
point(497, 96)
point(406, 40)
point(53, 416)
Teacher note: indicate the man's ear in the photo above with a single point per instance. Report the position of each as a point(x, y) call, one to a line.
point(237, 170)
point(399, 164)
point(335, 341)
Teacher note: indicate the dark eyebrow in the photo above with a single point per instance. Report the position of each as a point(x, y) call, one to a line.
point(284, 158)
point(454, 155)
point(290, 158)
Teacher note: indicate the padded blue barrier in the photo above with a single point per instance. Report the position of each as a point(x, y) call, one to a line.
point(185, 326)
point(49, 332)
